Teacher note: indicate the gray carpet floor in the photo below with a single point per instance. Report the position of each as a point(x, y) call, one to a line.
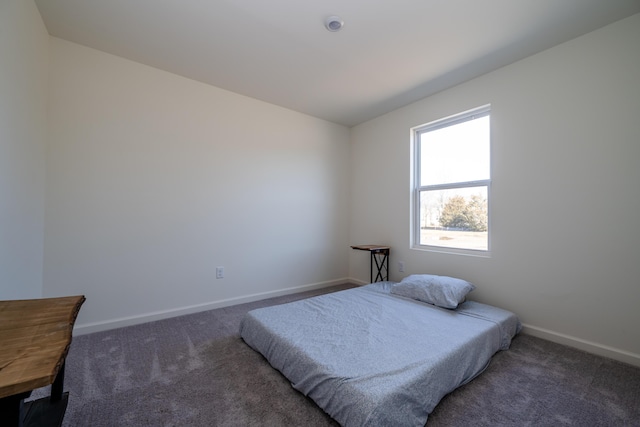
point(195, 370)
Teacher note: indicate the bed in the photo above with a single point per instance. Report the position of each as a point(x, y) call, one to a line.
point(371, 356)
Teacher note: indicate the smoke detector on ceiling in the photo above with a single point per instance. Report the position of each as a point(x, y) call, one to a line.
point(334, 23)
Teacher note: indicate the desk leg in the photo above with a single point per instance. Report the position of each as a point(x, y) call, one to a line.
point(12, 409)
point(58, 385)
point(381, 259)
point(372, 257)
point(44, 412)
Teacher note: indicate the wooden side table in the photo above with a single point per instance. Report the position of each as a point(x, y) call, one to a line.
point(379, 256)
point(35, 336)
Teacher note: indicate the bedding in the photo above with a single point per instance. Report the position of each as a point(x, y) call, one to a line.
point(368, 357)
point(443, 291)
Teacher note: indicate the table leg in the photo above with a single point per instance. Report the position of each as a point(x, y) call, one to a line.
point(372, 256)
point(44, 412)
point(58, 385)
point(381, 258)
point(12, 409)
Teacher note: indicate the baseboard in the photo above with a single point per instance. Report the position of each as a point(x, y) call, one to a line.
point(357, 281)
point(588, 346)
point(88, 328)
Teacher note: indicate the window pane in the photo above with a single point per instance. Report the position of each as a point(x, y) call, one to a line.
point(457, 153)
point(456, 218)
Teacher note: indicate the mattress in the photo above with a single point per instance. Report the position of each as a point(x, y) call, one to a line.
point(371, 358)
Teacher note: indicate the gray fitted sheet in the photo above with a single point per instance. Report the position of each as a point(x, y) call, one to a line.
point(370, 358)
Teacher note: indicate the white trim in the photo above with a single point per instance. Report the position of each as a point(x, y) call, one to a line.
point(358, 281)
point(588, 346)
point(81, 329)
point(482, 253)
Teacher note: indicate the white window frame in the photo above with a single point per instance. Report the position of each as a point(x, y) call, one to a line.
point(417, 188)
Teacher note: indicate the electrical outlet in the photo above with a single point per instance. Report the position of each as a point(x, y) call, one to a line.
point(401, 266)
point(219, 272)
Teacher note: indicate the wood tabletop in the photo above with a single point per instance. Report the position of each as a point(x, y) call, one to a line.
point(370, 247)
point(34, 340)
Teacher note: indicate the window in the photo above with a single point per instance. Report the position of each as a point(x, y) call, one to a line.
point(451, 183)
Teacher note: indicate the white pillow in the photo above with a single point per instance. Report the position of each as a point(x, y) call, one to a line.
point(443, 291)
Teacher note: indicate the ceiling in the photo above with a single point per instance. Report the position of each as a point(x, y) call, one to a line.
point(389, 53)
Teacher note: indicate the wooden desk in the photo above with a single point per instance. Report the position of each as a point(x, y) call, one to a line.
point(34, 341)
point(379, 255)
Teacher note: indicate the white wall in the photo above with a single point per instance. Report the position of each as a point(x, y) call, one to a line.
point(565, 191)
point(23, 122)
point(153, 180)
